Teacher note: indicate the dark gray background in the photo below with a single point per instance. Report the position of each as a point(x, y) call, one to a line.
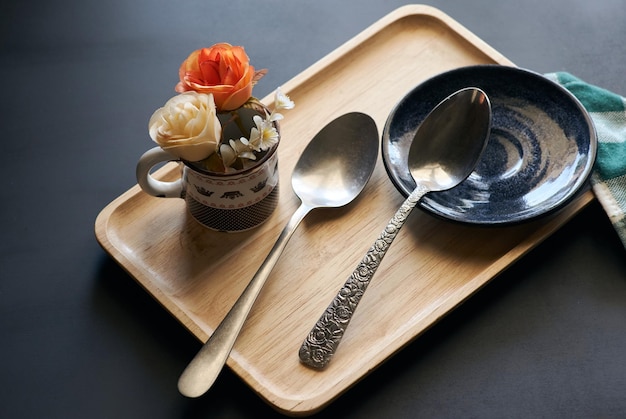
point(80, 339)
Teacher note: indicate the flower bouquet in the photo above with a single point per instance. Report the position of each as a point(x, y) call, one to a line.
point(224, 138)
point(214, 123)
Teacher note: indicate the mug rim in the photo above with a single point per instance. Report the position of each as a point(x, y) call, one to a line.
point(259, 163)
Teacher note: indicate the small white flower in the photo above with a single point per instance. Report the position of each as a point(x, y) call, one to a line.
point(282, 101)
point(242, 148)
point(264, 135)
point(228, 155)
point(236, 149)
point(275, 116)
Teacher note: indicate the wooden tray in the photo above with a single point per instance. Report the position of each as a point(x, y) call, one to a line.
point(432, 267)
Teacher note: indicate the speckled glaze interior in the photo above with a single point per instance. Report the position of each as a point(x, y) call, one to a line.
point(540, 152)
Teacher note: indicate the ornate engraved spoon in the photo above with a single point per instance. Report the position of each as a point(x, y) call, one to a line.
point(444, 152)
point(331, 172)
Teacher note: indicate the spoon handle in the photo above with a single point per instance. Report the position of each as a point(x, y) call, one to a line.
point(322, 341)
point(204, 368)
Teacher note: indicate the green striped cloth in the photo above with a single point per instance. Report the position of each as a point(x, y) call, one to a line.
point(608, 112)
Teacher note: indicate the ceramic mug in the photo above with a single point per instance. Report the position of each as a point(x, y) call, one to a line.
point(229, 202)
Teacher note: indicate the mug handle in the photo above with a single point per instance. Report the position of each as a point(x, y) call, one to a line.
point(153, 186)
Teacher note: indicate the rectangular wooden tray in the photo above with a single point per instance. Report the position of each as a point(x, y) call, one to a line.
point(432, 267)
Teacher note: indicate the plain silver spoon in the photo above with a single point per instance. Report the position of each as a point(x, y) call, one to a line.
point(331, 172)
point(444, 152)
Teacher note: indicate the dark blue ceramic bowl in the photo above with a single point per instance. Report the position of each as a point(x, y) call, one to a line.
point(540, 152)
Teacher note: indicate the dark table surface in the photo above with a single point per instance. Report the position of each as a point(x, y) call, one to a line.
point(80, 339)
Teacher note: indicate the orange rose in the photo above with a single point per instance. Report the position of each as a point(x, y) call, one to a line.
point(223, 70)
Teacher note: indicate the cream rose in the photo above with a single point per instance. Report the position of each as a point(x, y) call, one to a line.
point(187, 126)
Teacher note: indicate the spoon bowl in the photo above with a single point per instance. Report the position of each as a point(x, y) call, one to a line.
point(444, 152)
point(336, 165)
point(450, 140)
point(331, 172)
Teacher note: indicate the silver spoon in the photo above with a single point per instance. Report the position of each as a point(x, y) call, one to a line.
point(331, 172)
point(444, 151)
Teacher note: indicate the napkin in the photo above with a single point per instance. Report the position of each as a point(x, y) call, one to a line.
point(608, 112)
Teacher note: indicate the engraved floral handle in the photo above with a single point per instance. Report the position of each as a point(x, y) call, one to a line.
point(322, 341)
